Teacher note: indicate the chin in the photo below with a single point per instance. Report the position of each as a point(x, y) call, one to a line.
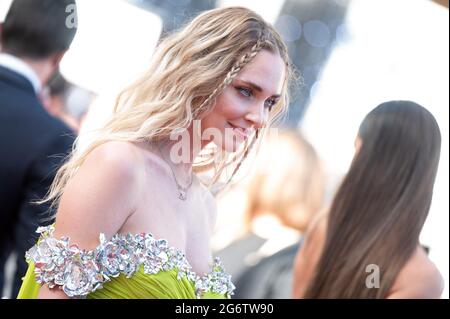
point(230, 146)
point(229, 140)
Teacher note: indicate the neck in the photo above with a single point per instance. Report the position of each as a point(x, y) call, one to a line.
point(182, 151)
point(196, 142)
point(42, 68)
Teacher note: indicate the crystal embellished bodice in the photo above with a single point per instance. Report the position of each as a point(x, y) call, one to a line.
point(83, 273)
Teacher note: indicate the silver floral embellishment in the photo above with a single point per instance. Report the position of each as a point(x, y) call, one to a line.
point(79, 272)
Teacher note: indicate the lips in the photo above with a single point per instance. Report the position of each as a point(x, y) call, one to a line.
point(244, 132)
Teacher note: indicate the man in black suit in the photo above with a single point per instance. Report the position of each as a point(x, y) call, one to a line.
point(34, 37)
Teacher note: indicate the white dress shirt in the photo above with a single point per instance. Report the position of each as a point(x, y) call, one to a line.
point(17, 65)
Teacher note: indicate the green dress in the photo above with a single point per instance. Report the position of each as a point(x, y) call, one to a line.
point(127, 266)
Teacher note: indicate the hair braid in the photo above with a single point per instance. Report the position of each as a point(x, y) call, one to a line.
point(237, 67)
point(247, 151)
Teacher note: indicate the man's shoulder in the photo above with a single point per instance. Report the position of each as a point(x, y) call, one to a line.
point(28, 113)
point(24, 120)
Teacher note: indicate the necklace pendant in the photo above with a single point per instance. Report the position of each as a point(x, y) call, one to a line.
point(182, 195)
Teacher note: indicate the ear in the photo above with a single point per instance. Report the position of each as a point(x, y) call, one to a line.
point(358, 144)
point(56, 58)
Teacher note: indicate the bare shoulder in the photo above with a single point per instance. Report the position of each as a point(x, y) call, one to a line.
point(123, 155)
point(419, 278)
point(101, 195)
point(114, 163)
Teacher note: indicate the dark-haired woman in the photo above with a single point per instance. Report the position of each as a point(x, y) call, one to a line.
point(367, 245)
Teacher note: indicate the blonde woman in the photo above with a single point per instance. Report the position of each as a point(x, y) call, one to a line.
point(133, 220)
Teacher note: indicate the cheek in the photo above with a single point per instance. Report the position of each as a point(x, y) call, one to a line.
point(231, 106)
point(228, 107)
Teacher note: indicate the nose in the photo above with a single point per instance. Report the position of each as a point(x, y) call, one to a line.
point(257, 115)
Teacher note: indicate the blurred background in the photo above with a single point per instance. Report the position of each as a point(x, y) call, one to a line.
point(352, 55)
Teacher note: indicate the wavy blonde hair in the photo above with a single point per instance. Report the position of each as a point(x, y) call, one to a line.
point(189, 69)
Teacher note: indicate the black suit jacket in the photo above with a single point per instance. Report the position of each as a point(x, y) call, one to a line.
point(271, 278)
point(32, 147)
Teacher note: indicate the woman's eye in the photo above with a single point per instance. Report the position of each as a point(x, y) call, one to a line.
point(270, 103)
point(244, 91)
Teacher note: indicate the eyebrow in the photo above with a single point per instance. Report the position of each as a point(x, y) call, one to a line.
point(256, 87)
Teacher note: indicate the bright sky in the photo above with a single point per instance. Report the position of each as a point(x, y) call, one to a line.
point(114, 43)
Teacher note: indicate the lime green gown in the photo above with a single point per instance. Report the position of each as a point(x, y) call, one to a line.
point(136, 266)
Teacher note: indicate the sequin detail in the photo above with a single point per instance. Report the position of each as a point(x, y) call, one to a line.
point(79, 272)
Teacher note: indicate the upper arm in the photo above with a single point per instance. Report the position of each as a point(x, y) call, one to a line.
point(100, 197)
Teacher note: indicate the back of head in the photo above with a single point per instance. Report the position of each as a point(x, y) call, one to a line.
point(399, 155)
point(380, 208)
point(36, 29)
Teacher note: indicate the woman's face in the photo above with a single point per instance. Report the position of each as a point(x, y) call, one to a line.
point(244, 105)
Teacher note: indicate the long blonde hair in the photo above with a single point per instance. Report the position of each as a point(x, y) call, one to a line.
point(189, 69)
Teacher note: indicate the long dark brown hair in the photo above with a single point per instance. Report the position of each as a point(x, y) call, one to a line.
point(380, 208)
